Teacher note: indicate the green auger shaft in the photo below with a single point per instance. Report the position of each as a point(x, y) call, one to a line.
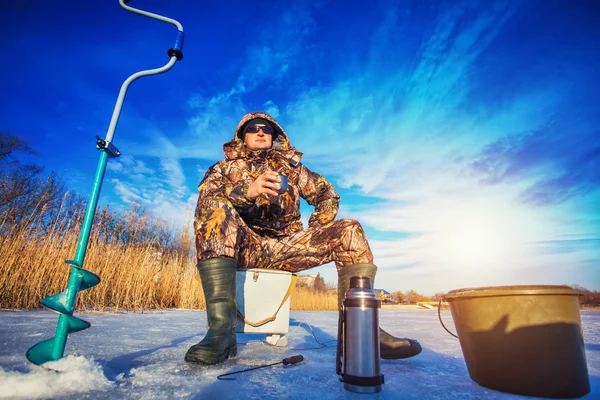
point(77, 280)
point(80, 279)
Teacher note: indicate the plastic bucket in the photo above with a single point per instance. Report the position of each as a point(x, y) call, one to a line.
point(263, 300)
point(522, 339)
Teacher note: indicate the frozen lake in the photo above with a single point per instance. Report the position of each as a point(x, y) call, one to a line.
point(140, 355)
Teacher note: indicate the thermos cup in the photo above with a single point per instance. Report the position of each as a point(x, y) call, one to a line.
point(357, 359)
point(283, 185)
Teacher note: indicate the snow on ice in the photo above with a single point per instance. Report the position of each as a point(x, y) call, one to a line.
point(140, 355)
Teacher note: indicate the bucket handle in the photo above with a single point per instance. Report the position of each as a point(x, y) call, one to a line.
point(440, 318)
point(272, 317)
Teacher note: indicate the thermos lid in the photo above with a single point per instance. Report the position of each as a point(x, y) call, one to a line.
point(361, 282)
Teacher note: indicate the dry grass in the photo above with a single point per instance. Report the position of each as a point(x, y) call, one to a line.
point(306, 299)
point(133, 278)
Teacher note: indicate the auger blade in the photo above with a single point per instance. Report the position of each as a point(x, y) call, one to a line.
point(41, 352)
point(56, 302)
point(76, 324)
point(89, 279)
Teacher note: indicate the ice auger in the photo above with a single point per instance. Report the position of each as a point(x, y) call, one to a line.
point(80, 279)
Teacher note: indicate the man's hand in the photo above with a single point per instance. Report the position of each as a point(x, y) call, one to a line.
point(267, 182)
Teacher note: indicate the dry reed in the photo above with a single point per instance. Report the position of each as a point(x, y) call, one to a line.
point(307, 299)
point(133, 277)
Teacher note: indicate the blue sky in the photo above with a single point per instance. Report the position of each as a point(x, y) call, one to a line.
point(462, 135)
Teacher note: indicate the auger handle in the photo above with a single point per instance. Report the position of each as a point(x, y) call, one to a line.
point(174, 53)
point(150, 15)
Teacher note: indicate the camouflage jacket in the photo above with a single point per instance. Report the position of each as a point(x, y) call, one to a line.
point(272, 216)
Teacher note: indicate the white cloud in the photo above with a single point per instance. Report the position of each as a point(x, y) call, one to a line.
point(272, 58)
point(114, 166)
point(128, 164)
point(174, 174)
point(125, 191)
point(162, 189)
point(213, 123)
point(174, 207)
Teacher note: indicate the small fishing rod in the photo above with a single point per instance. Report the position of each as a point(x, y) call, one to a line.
point(286, 361)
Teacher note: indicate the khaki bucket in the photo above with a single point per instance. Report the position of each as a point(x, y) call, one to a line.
point(522, 339)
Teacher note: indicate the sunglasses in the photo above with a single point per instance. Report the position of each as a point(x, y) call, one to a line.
point(255, 128)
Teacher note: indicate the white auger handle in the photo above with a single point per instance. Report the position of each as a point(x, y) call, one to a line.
point(174, 53)
point(150, 15)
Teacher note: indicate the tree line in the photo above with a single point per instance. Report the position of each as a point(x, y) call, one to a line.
point(590, 298)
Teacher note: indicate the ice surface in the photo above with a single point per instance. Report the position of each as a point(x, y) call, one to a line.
point(140, 355)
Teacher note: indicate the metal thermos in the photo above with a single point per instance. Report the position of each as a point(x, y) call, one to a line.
point(357, 359)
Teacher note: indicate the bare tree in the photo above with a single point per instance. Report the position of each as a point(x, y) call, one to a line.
point(40, 202)
point(399, 296)
point(412, 297)
point(438, 296)
point(26, 195)
point(320, 283)
point(10, 144)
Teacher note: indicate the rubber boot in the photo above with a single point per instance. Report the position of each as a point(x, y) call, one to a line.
point(218, 282)
point(390, 347)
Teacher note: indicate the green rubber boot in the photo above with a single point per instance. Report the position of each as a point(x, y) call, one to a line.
point(218, 282)
point(390, 347)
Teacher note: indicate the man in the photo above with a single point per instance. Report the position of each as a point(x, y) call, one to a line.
point(242, 221)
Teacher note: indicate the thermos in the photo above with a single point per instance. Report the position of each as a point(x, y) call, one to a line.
point(357, 358)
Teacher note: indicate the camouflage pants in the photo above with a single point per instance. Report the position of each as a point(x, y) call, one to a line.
point(221, 232)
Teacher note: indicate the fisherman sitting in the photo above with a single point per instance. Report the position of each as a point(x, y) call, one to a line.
point(244, 220)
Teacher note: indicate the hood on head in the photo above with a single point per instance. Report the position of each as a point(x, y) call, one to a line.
point(279, 136)
point(236, 148)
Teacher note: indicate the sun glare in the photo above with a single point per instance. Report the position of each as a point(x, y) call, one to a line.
point(479, 237)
